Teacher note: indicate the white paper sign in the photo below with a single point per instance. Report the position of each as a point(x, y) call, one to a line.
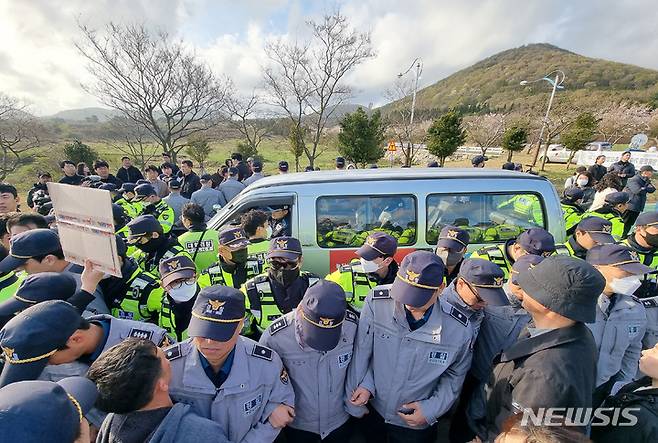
point(86, 226)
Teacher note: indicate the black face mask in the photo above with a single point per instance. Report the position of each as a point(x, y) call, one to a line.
point(453, 258)
point(285, 277)
point(152, 245)
point(239, 257)
point(651, 239)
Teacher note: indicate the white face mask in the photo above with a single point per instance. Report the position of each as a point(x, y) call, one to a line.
point(183, 294)
point(582, 182)
point(369, 266)
point(443, 255)
point(626, 285)
point(269, 231)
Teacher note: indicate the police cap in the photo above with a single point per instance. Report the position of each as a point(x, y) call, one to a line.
point(108, 187)
point(453, 238)
point(37, 288)
point(283, 165)
point(29, 244)
point(420, 275)
point(536, 241)
point(257, 166)
point(142, 225)
point(574, 193)
point(33, 335)
point(143, 191)
point(617, 198)
point(647, 219)
point(487, 278)
point(217, 313)
point(288, 248)
point(174, 183)
point(322, 315)
point(598, 228)
point(128, 187)
point(378, 244)
point(479, 159)
point(619, 256)
point(234, 238)
point(176, 268)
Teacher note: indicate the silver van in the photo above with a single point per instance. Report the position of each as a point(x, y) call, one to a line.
point(332, 212)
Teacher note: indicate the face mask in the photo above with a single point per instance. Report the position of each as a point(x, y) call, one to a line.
point(513, 299)
point(450, 258)
point(582, 182)
point(183, 294)
point(285, 277)
point(151, 245)
point(369, 266)
point(239, 257)
point(626, 285)
point(269, 231)
point(651, 239)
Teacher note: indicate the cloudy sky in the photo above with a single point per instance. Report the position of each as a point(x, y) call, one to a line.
point(39, 64)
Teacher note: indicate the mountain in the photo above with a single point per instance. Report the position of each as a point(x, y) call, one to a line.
point(493, 83)
point(86, 114)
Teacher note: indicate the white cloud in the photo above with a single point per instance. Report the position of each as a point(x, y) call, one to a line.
point(39, 63)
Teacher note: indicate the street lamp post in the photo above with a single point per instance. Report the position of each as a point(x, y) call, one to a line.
point(419, 69)
point(557, 84)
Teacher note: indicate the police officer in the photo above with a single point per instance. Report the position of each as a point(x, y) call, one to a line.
point(407, 322)
point(257, 227)
point(612, 210)
point(315, 342)
point(137, 294)
point(230, 269)
point(479, 161)
point(570, 203)
point(535, 241)
point(451, 247)
point(45, 411)
point(151, 243)
point(553, 364)
point(121, 219)
point(229, 378)
point(199, 241)
point(375, 266)
point(151, 203)
point(589, 232)
point(620, 317)
point(179, 280)
point(644, 241)
point(280, 289)
point(279, 221)
point(127, 191)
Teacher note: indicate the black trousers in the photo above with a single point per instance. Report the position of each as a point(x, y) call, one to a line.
point(376, 430)
point(338, 435)
point(629, 218)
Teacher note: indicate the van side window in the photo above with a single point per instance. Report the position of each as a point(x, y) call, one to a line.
point(346, 221)
point(489, 218)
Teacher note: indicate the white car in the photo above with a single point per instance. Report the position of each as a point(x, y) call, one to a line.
point(557, 153)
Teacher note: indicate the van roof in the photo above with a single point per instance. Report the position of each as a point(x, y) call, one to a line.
point(388, 174)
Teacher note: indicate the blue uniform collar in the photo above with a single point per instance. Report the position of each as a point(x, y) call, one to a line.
point(416, 324)
point(219, 378)
point(105, 324)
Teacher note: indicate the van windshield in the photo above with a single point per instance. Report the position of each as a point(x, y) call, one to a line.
point(489, 218)
point(346, 222)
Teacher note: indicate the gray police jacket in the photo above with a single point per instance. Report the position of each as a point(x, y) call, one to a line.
point(256, 385)
point(120, 329)
point(401, 366)
point(651, 335)
point(318, 378)
point(618, 338)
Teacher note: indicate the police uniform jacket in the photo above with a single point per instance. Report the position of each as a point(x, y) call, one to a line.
point(618, 335)
point(554, 369)
point(256, 385)
point(318, 378)
point(401, 366)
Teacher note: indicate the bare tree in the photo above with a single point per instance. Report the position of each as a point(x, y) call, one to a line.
point(132, 140)
point(19, 133)
point(154, 81)
point(248, 118)
point(398, 120)
point(307, 81)
point(485, 130)
point(623, 120)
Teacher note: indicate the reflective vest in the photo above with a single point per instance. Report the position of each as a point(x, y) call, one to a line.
point(257, 258)
point(495, 254)
point(167, 318)
point(150, 265)
point(128, 207)
point(10, 283)
point(407, 237)
point(616, 220)
point(572, 216)
point(259, 288)
point(161, 211)
point(340, 237)
point(202, 247)
point(526, 207)
point(502, 232)
point(354, 281)
point(142, 300)
point(215, 275)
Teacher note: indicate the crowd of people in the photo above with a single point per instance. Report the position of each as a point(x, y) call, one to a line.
point(221, 336)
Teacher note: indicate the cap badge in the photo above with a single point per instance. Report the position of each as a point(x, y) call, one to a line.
point(9, 353)
point(634, 256)
point(370, 241)
point(237, 234)
point(174, 264)
point(607, 229)
point(216, 304)
point(452, 233)
point(326, 321)
point(412, 276)
point(498, 281)
point(282, 244)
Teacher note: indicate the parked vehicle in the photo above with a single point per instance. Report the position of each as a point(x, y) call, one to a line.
point(557, 153)
point(332, 212)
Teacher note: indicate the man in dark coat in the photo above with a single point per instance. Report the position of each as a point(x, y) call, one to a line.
point(623, 168)
point(190, 182)
point(553, 364)
point(127, 173)
point(637, 187)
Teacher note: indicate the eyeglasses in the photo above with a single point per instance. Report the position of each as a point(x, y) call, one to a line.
point(474, 291)
point(283, 264)
point(180, 283)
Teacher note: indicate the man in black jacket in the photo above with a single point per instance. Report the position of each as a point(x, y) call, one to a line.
point(102, 168)
point(41, 185)
point(553, 365)
point(190, 182)
point(70, 174)
point(127, 173)
point(597, 170)
point(623, 168)
point(243, 169)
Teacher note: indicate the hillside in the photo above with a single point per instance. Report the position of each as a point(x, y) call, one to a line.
point(493, 83)
point(85, 114)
